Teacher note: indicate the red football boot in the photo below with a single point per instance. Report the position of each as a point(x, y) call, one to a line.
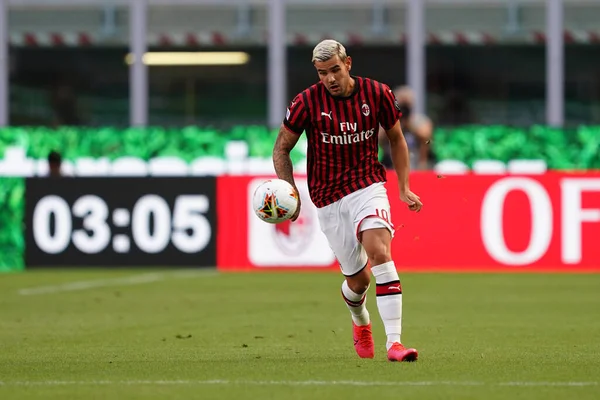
point(363, 340)
point(400, 353)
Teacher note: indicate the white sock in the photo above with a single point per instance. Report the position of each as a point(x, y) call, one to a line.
point(389, 300)
point(357, 304)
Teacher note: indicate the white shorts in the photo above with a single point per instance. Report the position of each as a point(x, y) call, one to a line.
point(342, 221)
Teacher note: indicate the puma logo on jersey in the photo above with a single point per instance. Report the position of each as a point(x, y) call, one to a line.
point(327, 115)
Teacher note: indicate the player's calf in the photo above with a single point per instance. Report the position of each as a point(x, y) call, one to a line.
point(389, 302)
point(357, 304)
point(361, 324)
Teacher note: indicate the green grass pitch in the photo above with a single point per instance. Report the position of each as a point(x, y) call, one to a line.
point(153, 334)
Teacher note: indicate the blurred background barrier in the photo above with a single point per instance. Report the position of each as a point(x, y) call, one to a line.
point(577, 148)
point(12, 212)
point(110, 151)
point(199, 151)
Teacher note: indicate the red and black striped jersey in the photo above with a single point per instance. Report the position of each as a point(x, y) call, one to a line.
point(342, 136)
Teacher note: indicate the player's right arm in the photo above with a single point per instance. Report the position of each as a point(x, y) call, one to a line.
point(295, 122)
point(282, 160)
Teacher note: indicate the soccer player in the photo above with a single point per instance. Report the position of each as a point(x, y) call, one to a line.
point(341, 115)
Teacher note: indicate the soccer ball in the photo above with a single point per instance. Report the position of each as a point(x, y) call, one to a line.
point(275, 201)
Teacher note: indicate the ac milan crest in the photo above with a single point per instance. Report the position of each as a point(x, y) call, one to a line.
point(366, 110)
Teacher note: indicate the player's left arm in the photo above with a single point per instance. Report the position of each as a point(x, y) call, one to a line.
point(422, 126)
point(401, 161)
point(389, 118)
point(400, 155)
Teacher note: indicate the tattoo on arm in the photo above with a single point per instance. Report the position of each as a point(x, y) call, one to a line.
point(282, 161)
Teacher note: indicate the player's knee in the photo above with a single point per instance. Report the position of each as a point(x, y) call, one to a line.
point(376, 243)
point(379, 253)
point(359, 283)
point(358, 287)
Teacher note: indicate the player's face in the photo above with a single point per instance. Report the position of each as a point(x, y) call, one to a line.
point(335, 75)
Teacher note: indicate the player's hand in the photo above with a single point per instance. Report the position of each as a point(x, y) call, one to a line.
point(295, 216)
point(413, 201)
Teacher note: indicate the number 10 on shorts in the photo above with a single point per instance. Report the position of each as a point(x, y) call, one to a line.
point(384, 215)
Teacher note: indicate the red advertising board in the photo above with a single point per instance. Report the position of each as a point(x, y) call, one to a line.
point(547, 222)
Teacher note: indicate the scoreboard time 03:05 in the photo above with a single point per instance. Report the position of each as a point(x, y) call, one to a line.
point(99, 221)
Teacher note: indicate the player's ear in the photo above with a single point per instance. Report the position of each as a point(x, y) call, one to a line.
point(349, 63)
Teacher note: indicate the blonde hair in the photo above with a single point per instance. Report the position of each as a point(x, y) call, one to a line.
point(328, 49)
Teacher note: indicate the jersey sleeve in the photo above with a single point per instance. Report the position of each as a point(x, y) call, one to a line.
point(296, 116)
point(389, 111)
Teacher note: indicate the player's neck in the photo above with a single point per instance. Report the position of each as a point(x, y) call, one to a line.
point(350, 89)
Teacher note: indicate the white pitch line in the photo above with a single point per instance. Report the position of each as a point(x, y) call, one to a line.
point(97, 283)
point(290, 383)
point(549, 384)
